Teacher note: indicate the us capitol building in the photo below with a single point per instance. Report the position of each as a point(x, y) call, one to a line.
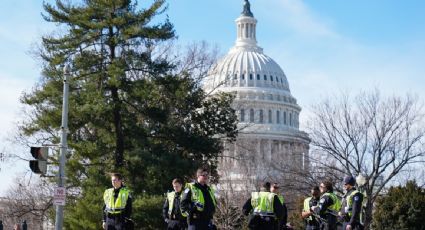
point(270, 145)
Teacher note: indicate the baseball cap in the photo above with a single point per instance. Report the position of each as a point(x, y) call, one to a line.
point(349, 180)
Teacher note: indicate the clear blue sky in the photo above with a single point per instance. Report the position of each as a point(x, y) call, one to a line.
point(323, 47)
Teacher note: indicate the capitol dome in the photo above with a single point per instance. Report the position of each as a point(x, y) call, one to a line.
point(246, 65)
point(263, 97)
point(269, 140)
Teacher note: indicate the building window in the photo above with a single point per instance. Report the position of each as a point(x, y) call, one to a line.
point(277, 79)
point(265, 77)
point(278, 117)
point(261, 116)
point(242, 115)
point(284, 117)
point(251, 115)
point(235, 77)
point(270, 117)
point(250, 76)
point(258, 76)
point(271, 78)
point(290, 119)
point(243, 76)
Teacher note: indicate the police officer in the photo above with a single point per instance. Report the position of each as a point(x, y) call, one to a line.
point(312, 223)
point(281, 221)
point(264, 207)
point(353, 205)
point(198, 202)
point(171, 209)
point(117, 207)
point(328, 206)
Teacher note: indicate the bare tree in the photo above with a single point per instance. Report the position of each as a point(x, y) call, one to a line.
point(369, 135)
point(29, 202)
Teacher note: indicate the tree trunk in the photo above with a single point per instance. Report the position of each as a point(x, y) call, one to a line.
point(119, 137)
point(368, 214)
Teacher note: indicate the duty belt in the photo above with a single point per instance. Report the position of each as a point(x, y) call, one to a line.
point(114, 215)
point(265, 214)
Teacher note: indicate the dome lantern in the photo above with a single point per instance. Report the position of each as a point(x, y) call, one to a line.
point(246, 28)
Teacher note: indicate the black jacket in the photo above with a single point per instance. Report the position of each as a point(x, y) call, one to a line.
point(176, 213)
point(324, 203)
point(186, 204)
point(356, 207)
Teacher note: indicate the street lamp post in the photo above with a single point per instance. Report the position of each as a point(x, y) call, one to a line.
point(63, 145)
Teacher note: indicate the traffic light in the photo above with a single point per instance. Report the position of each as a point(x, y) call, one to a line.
point(39, 165)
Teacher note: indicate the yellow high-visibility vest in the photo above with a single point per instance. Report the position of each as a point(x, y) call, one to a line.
point(307, 207)
point(170, 197)
point(198, 199)
point(281, 199)
point(117, 206)
point(349, 207)
point(262, 203)
point(336, 206)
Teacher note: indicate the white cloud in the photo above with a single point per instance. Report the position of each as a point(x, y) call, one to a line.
point(319, 59)
point(296, 15)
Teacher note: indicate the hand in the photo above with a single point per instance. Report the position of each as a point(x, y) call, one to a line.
point(315, 209)
point(104, 225)
point(167, 220)
point(348, 227)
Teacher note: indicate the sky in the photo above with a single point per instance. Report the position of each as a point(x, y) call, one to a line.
point(324, 47)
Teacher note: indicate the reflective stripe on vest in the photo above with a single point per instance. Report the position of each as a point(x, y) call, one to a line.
point(336, 206)
point(119, 205)
point(171, 196)
point(262, 203)
point(198, 197)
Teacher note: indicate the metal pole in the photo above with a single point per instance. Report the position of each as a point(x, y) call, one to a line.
point(63, 146)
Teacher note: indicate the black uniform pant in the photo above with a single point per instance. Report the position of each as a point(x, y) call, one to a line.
point(262, 223)
point(356, 226)
point(327, 226)
point(312, 227)
point(115, 223)
point(176, 225)
point(199, 224)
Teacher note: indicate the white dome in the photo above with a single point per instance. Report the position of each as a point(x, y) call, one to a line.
point(263, 100)
point(247, 67)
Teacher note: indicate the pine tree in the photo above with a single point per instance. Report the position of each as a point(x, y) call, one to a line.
point(129, 110)
point(403, 207)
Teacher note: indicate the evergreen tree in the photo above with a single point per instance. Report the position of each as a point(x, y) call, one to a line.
point(129, 110)
point(403, 207)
